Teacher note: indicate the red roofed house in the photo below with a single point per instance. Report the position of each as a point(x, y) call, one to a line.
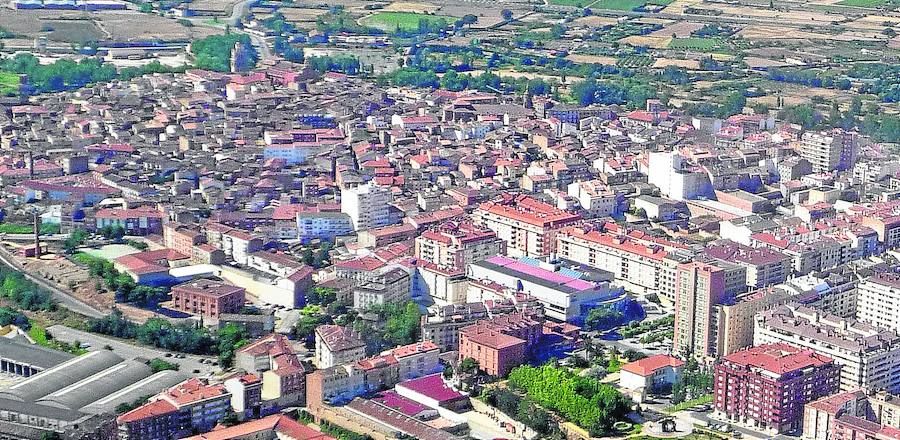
point(499, 344)
point(276, 426)
point(136, 221)
point(527, 225)
point(192, 405)
point(766, 386)
point(651, 374)
point(283, 376)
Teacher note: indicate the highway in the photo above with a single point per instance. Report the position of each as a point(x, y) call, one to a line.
point(61, 296)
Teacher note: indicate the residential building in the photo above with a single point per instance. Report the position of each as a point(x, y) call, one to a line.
point(528, 226)
point(207, 297)
point(135, 221)
point(274, 427)
point(699, 288)
point(765, 267)
point(499, 344)
point(878, 301)
point(391, 286)
point(650, 375)
point(636, 264)
point(368, 206)
point(456, 244)
point(273, 359)
point(826, 152)
point(735, 320)
point(337, 345)
point(869, 356)
point(765, 387)
point(191, 406)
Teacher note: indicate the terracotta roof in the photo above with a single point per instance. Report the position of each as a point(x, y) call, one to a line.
point(649, 365)
point(276, 423)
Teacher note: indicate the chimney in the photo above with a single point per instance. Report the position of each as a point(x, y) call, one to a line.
point(37, 233)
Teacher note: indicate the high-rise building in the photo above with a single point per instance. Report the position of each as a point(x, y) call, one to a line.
point(528, 226)
point(767, 386)
point(878, 301)
point(368, 206)
point(829, 151)
point(699, 287)
point(452, 245)
point(869, 356)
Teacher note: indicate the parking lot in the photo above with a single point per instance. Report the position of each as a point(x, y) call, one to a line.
point(190, 364)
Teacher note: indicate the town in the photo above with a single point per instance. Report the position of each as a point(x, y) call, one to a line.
point(566, 219)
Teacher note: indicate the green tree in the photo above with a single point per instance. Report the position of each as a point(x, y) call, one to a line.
point(231, 338)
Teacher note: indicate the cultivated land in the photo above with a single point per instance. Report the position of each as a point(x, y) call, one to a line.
point(405, 21)
point(9, 83)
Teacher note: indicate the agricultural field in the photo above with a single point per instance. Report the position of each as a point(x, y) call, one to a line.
point(9, 83)
point(887, 4)
point(698, 44)
point(634, 61)
point(626, 5)
point(575, 3)
point(405, 21)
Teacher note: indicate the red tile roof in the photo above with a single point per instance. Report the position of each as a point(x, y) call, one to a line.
point(649, 365)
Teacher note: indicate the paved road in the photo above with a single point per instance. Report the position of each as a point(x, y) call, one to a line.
point(62, 297)
point(128, 351)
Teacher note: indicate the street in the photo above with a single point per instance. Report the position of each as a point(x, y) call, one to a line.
point(128, 351)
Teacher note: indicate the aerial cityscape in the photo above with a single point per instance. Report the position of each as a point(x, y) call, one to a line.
point(449, 219)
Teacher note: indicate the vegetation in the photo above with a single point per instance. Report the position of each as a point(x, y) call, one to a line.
point(61, 75)
point(628, 91)
point(13, 228)
point(157, 332)
point(40, 336)
point(9, 84)
point(76, 238)
point(696, 382)
point(702, 400)
point(12, 316)
point(214, 52)
point(157, 365)
point(698, 44)
point(231, 338)
point(122, 284)
point(626, 5)
point(636, 328)
point(128, 406)
point(23, 292)
point(343, 63)
point(406, 23)
point(524, 410)
point(584, 401)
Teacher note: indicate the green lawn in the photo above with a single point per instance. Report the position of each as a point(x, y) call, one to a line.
point(405, 21)
point(626, 5)
point(39, 334)
point(869, 3)
point(702, 400)
point(13, 228)
point(9, 83)
point(698, 44)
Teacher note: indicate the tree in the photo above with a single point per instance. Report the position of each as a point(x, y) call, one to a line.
point(468, 365)
point(157, 365)
point(146, 7)
point(506, 14)
point(231, 338)
point(76, 239)
point(50, 435)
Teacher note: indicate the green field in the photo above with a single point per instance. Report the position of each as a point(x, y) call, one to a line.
point(698, 44)
point(404, 21)
point(626, 5)
point(9, 83)
point(575, 3)
point(890, 4)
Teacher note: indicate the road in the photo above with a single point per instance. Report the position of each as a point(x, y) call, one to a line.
point(61, 296)
point(238, 11)
point(129, 351)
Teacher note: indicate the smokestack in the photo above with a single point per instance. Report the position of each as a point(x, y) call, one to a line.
point(30, 164)
point(37, 233)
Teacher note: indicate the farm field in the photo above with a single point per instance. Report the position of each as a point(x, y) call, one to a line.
point(575, 3)
point(626, 5)
point(9, 83)
point(697, 44)
point(405, 21)
point(890, 4)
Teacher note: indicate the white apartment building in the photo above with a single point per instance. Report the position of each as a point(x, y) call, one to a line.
point(528, 226)
point(336, 345)
point(869, 356)
point(878, 301)
point(636, 266)
point(828, 151)
point(595, 197)
point(367, 205)
point(454, 244)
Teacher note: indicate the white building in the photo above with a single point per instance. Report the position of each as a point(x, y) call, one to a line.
point(367, 205)
point(650, 375)
point(676, 179)
point(878, 301)
point(595, 197)
point(826, 151)
point(869, 356)
point(336, 345)
point(311, 225)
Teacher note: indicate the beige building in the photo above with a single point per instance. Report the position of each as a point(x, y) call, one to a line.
point(337, 345)
point(735, 321)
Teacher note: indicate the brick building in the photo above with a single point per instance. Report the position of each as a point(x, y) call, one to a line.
point(500, 344)
point(767, 386)
point(207, 297)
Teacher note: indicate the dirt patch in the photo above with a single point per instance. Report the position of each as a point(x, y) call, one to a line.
point(682, 29)
point(592, 59)
point(68, 276)
point(661, 63)
point(418, 8)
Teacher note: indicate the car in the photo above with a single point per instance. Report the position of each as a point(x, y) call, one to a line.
point(168, 355)
point(196, 371)
point(725, 428)
point(737, 434)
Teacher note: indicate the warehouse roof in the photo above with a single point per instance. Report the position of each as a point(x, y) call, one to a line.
point(34, 355)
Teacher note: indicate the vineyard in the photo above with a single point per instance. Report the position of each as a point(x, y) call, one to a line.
point(634, 61)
